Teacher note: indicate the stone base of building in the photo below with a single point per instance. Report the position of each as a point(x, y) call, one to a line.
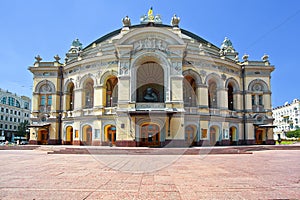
point(225, 143)
point(76, 142)
point(126, 143)
point(53, 142)
point(33, 142)
point(270, 142)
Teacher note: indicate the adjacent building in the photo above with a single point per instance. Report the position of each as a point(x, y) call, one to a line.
point(14, 110)
point(151, 84)
point(286, 118)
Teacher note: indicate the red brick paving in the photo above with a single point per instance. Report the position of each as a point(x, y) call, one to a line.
point(34, 174)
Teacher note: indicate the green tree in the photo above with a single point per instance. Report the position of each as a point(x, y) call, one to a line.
point(295, 134)
point(22, 128)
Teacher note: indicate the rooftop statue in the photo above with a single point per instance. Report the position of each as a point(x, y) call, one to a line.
point(226, 43)
point(77, 44)
point(150, 18)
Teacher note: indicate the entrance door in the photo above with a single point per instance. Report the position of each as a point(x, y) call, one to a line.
point(189, 135)
point(258, 136)
point(111, 135)
point(212, 136)
point(87, 135)
point(43, 137)
point(150, 135)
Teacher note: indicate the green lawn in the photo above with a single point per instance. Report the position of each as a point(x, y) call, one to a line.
point(285, 142)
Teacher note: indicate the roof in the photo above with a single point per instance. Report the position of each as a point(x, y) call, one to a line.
point(116, 32)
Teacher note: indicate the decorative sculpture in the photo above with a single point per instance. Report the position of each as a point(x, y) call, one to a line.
point(150, 95)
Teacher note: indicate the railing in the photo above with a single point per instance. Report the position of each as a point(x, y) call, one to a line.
point(258, 108)
point(45, 108)
point(110, 110)
point(150, 106)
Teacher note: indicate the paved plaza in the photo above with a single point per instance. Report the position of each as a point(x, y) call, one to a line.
point(35, 174)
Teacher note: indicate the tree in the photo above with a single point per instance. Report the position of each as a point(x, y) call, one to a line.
point(293, 134)
point(22, 128)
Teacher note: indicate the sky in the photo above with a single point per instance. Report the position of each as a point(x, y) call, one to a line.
point(47, 28)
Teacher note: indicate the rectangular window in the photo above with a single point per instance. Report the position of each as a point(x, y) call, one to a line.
point(49, 103)
point(43, 100)
point(253, 100)
point(260, 100)
point(76, 133)
point(97, 133)
point(1, 125)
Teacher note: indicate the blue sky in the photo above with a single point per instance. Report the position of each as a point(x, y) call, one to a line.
point(47, 28)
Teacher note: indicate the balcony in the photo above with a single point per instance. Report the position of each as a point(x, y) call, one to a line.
point(258, 108)
point(44, 109)
point(150, 106)
point(110, 110)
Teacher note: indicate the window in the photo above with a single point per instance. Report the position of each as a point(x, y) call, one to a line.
point(1, 125)
point(230, 97)
point(11, 101)
point(10, 127)
point(253, 100)
point(26, 105)
point(2, 109)
point(45, 102)
point(3, 100)
point(15, 112)
point(212, 95)
point(6, 110)
point(18, 104)
point(260, 100)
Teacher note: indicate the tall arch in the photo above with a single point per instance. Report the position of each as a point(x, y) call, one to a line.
point(88, 93)
point(189, 91)
point(87, 136)
point(69, 96)
point(145, 57)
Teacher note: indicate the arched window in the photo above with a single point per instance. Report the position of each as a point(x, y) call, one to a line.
point(230, 97)
point(189, 91)
point(88, 94)
point(212, 95)
point(70, 97)
point(112, 92)
point(45, 97)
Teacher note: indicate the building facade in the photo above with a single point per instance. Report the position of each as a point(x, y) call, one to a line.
point(14, 110)
point(152, 85)
point(286, 118)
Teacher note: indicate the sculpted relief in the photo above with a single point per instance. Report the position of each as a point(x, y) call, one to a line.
point(150, 43)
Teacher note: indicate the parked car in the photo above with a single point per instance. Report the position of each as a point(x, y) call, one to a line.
point(24, 142)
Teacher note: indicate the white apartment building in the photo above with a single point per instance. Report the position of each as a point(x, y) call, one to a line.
point(286, 118)
point(14, 110)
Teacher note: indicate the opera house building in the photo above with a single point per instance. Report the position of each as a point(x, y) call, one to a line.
point(152, 85)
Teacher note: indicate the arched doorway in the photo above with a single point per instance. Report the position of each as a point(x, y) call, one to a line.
point(69, 135)
point(87, 135)
point(213, 135)
point(43, 136)
point(232, 135)
point(150, 135)
point(110, 134)
point(190, 135)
